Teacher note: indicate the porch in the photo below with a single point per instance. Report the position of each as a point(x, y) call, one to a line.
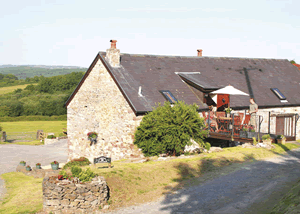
point(236, 126)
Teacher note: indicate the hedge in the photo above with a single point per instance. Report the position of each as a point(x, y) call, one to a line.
point(34, 118)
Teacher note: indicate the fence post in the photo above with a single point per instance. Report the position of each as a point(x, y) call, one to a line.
point(3, 137)
point(38, 134)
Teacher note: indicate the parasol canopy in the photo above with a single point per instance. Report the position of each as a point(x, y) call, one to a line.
point(229, 90)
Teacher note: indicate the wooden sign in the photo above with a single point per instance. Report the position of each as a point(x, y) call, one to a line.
point(102, 159)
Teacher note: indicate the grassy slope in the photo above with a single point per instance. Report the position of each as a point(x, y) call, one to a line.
point(19, 188)
point(132, 183)
point(290, 203)
point(5, 90)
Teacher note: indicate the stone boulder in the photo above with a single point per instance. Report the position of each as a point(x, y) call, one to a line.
point(194, 148)
point(215, 149)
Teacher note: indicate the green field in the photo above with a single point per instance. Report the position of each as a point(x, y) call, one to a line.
point(6, 90)
point(24, 132)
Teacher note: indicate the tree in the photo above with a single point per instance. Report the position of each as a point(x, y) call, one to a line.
point(169, 129)
point(293, 62)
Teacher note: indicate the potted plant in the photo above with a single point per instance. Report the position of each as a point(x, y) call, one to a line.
point(22, 163)
point(38, 166)
point(251, 133)
point(92, 136)
point(28, 168)
point(54, 165)
point(228, 111)
point(243, 132)
point(267, 139)
point(281, 139)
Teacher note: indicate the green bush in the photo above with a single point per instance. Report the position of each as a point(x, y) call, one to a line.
point(0, 128)
point(64, 174)
point(51, 137)
point(254, 141)
point(207, 146)
point(86, 175)
point(169, 129)
point(82, 161)
point(266, 137)
point(76, 171)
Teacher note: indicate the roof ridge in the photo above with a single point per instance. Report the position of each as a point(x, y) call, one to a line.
point(176, 56)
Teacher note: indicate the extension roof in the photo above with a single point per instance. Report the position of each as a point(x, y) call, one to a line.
point(188, 77)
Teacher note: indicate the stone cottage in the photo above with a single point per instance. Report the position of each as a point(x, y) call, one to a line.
point(118, 89)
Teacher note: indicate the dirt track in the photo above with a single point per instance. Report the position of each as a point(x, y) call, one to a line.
point(249, 188)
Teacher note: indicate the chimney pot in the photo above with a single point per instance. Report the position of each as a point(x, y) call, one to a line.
point(199, 52)
point(113, 44)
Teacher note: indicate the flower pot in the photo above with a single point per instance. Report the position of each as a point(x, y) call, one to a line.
point(93, 139)
point(268, 142)
point(22, 164)
point(55, 166)
point(38, 166)
point(281, 141)
point(243, 134)
point(227, 114)
point(28, 168)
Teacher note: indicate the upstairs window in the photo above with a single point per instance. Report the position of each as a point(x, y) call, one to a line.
point(278, 93)
point(169, 96)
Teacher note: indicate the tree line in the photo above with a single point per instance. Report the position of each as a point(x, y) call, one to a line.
point(46, 98)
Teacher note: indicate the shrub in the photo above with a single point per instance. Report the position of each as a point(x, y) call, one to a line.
point(64, 174)
point(82, 161)
point(254, 141)
point(0, 128)
point(86, 175)
point(76, 171)
point(168, 129)
point(207, 146)
point(266, 137)
point(51, 137)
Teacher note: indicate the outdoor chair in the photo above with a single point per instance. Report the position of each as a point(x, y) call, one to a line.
point(246, 121)
point(212, 127)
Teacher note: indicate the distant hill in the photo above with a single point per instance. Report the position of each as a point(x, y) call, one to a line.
point(23, 71)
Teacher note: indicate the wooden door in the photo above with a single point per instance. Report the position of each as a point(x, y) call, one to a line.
point(279, 125)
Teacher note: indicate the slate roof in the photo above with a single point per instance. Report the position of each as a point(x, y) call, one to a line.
point(154, 73)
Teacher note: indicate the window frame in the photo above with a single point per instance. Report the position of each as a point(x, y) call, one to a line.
point(171, 98)
point(278, 93)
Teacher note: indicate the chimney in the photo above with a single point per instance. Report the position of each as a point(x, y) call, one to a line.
point(113, 54)
point(199, 52)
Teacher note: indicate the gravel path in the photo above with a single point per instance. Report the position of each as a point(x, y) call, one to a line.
point(252, 188)
point(12, 154)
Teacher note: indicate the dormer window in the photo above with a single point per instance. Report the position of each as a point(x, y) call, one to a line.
point(279, 94)
point(169, 96)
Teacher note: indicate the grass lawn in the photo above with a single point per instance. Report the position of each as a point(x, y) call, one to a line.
point(26, 130)
point(132, 183)
point(5, 90)
point(24, 194)
point(290, 203)
point(31, 143)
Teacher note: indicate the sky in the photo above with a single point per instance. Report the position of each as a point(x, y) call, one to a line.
point(72, 32)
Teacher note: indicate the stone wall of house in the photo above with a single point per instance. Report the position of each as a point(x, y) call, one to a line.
point(63, 196)
point(99, 106)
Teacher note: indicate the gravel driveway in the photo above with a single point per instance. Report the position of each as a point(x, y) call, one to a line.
point(250, 188)
point(12, 154)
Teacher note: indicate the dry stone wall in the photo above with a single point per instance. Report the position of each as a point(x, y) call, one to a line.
point(63, 196)
point(100, 107)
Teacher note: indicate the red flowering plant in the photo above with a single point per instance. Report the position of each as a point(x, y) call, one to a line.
point(38, 164)
point(60, 177)
point(92, 135)
point(54, 162)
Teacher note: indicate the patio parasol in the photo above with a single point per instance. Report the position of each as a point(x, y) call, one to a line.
point(230, 90)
